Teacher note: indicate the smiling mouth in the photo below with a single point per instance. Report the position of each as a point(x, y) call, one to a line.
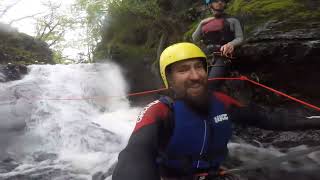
point(195, 86)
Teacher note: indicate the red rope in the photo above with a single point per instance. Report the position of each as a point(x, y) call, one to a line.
point(242, 78)
point(282, 94)
point(146, 92)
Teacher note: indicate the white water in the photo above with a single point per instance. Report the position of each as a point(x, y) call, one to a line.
point(76, 138)
point(86, 135)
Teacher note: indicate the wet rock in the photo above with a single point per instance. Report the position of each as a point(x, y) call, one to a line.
point(42, 156)
point(12, 72)
point(278, 174)
point(283, 140)
point(44, 173)
point(7, 165)
point(103, 175)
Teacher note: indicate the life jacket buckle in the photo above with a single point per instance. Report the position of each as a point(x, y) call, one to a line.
point(201, 176)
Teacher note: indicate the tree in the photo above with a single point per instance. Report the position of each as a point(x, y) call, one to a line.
point(92, 17)
point(52, 28)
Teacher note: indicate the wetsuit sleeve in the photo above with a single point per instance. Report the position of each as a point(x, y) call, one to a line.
point(137, 161)
point(196, 35)
point(266, 118)
point(238, 33)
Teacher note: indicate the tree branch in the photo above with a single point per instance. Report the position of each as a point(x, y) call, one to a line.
point(22, 18)
point(51, 29)
point(57, 39)
point(8, 8)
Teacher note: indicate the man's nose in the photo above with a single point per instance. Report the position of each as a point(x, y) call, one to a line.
point(194, 74)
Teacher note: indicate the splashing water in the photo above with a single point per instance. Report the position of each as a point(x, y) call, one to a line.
point(69, 138)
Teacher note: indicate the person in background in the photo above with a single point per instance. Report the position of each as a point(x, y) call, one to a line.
point(219, 33)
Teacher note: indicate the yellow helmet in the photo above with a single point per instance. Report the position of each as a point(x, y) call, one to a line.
point(178, 52)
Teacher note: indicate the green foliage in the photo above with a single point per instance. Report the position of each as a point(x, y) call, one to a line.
point(138, 25)
point(188, 35)
point(52, 27)
point(93, 13)
point(124, 52)
point(58, 57)
point(20, 56)
point(127, 28)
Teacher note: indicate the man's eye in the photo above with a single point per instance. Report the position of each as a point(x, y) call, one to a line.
point(199, 66)
point(183, 69)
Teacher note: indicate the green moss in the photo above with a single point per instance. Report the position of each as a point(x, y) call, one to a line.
point(268, 6)
point(123, 52)
point(254, 13)
point(134, 52)
point(187, 36)
point(19, 52)
point(21, 48)
point(20, 56)
point(235, 6)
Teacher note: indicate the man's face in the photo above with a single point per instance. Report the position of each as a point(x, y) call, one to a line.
point(189, 80)
point(218, 5)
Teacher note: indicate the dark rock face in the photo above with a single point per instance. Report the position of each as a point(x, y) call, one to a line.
point(12, 72)
point(20, 48)
point(283, 42)
point(141, 78)
point(285, 56)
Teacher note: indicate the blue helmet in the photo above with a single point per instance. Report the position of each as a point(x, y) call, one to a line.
point(207, 2)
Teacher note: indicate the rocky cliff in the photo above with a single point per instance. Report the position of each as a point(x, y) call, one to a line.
point(285, 55)
point(19, 48)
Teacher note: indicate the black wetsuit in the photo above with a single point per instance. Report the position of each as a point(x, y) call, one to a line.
point(138, 160)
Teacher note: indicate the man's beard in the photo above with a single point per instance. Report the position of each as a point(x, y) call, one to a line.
point(198, 103)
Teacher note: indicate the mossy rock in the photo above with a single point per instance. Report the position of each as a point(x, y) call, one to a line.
point(16, 47)
point(123, 52)
point(254, 13)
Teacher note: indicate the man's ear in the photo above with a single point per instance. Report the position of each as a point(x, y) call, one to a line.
point(169, 79)
point(169, 75)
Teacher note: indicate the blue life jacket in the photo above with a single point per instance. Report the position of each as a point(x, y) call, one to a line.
point(197, 141)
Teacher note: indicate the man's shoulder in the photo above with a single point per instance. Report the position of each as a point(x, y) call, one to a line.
point(227, 100)
point(154, 111)
point(232, 19)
